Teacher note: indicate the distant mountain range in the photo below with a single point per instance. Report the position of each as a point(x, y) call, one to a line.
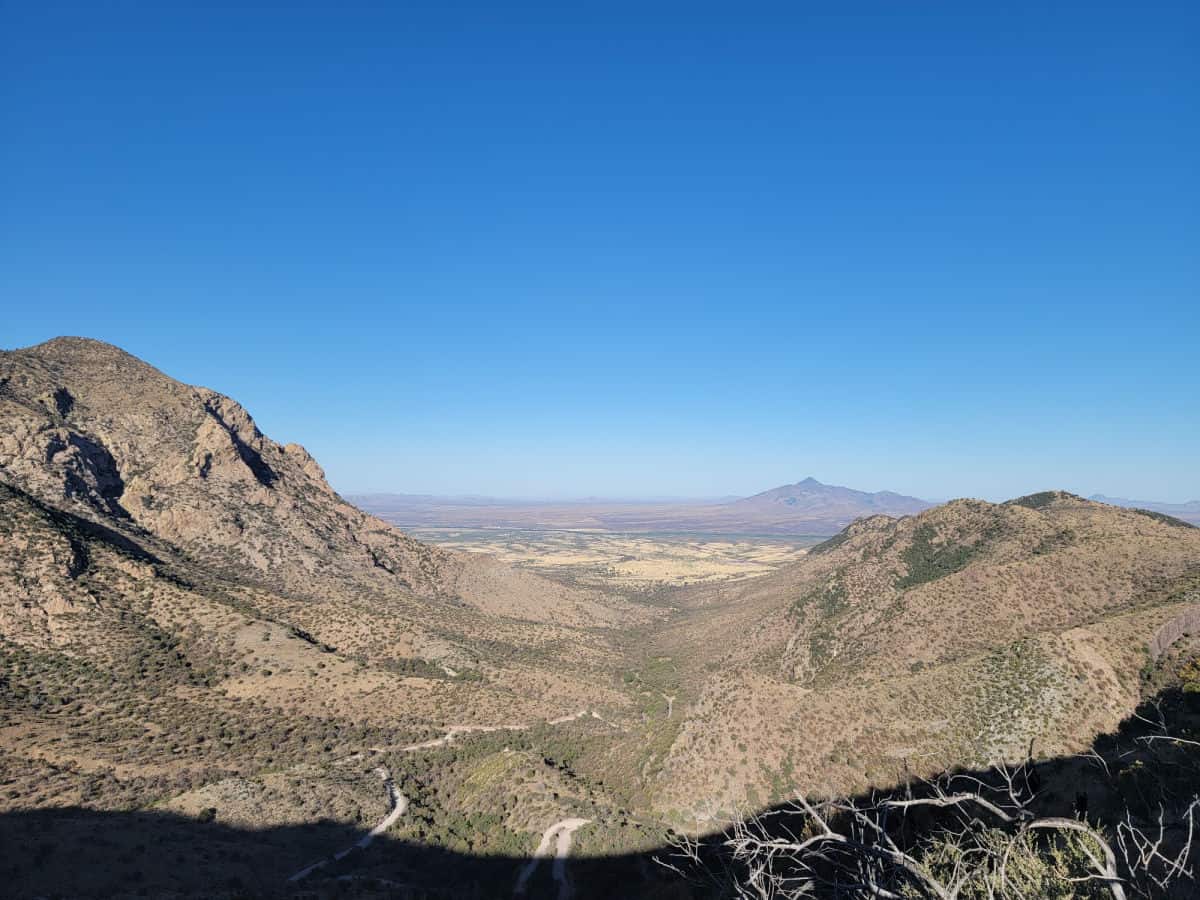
point(827, 500)
point(1188, 511)
point(807, 507)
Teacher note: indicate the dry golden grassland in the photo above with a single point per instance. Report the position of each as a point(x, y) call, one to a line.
point(627, 561)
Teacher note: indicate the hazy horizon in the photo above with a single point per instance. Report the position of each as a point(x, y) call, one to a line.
point(714, 498)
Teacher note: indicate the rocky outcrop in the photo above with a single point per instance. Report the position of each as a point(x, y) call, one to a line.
point(87, 424)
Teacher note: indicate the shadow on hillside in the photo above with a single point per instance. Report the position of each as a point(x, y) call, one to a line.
point(76, 852)
point(80, 531)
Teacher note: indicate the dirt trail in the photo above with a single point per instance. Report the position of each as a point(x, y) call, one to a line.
point(398, 803)
point(449, 736)
point(560, 833)
point(455, 730)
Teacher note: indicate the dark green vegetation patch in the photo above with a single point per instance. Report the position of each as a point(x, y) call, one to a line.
point(927, 561)
point(1042, 499)
point(830, 598)
point(423, 668)
point(1164, 518)
point(1052, 543)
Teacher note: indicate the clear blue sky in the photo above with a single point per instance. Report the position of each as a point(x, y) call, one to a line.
point(632, 249)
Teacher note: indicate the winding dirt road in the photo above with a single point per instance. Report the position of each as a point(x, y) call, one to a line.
point(455, 730)
point(398, 803)
point(560, 833)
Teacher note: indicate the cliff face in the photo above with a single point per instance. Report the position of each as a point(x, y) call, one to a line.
point(99, 432)
point(87, 422)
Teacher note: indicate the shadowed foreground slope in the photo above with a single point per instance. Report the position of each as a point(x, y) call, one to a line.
point(1135, 774)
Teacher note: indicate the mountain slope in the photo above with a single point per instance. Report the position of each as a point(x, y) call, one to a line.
point(91, 424)
point(954, 636)
point(1188, 512)
point(190, 615)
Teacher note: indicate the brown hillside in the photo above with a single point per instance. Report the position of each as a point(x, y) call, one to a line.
point(957, 635)
point(184, 602)
point(89, 424)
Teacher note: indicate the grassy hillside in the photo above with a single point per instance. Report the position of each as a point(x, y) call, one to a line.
point(957, 635)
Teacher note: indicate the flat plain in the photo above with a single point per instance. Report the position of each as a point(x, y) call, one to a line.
point(626, 562)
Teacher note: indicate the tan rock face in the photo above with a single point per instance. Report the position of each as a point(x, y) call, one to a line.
point(40, 567)
point(186, 464)
point(88, 424)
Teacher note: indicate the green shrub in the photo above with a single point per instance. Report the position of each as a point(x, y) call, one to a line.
point(1042, 499)
point(1036, 865)
point(1164, 518)
point(830, 598)
point(927, 561)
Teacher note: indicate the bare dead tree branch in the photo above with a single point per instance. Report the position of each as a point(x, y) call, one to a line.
point(848, 849)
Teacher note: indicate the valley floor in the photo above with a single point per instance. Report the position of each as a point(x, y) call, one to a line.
point(626, 562)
